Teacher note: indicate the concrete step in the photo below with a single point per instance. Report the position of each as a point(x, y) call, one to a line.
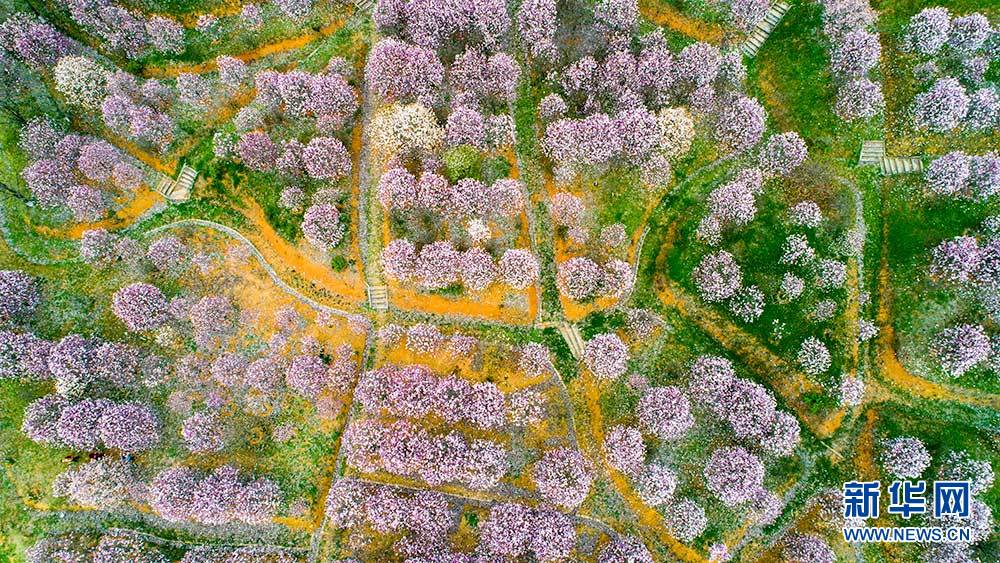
point(378, 297)
point(892, 165)
point(571, 334)
point(763, 29)
point(872, 153)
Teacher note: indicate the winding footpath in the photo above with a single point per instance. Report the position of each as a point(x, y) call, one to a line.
point(233, 233)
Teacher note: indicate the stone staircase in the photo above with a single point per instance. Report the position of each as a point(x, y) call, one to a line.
point(891, 165)
point(176, 190)
point(872, 153)
point(366, 6)
point(764, 28)
point(378, 297)
point(571, 334)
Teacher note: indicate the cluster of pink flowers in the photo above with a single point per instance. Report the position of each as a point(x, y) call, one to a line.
point(731, 205)
point(141, 306)
point(122, 30)
point(321, 225)
point(74, 171)
point(655, 484)
point(439, 265)
point(927, 31)
point(961, 347)
point(642, 323)
point(813, 356)
point(740, 124)
point(37, 43)
point(854, 53)
point(223, 496)
point(19, 296)
point(139, 112)
point(859, 99)
point(624, 449)
point(782, 154)
point(942, 107)
point(955, 260)
point(24, 356)
point(747, 303)
point(581, 279)
point(686, 520)
point(399, 72)
point(606, 356)
point(512, 530)
point(905, 457)
point(535, 360)
point(563, 477)
point(852, 391)
point(434, 23)
point(386, 509)
point(105, 484)
point(746, 14)
point(308, 375)
point(203, 432)
point(405, 449)
point(665, 412)
point(490, 78)
point(414, 392)
point(734, 475)
point(625, 549)
point(808, 548)
point(748, 407)
point(959, 175)
point(87, 423)
point(717, 276)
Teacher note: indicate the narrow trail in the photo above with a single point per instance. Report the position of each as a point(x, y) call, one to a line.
point(142, 203)
point(260, 257)
point(278, 47)
point(290, 258)
point(889, 364)
point(650, 519)
point(789, 383)
point(665, 15)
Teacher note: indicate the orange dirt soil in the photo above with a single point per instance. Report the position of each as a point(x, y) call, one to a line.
point(651, 520)
point(663, 14)
point(171, 71)
point(889, 363)
point(345, 290)
point(143, 200)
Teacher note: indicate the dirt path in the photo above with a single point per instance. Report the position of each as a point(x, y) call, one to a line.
point(665, 15)
point(888, 361)
point(788, 382)
point(292, 43)
point(136, 207)
point(281, 254)
point(650, 519)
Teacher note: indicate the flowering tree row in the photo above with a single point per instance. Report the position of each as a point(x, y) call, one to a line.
point(956, 54)
point(854, 54)
point(404, 449)
point(415, 392)
point(439, 265)
point(113, 546)
point(78, 173)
